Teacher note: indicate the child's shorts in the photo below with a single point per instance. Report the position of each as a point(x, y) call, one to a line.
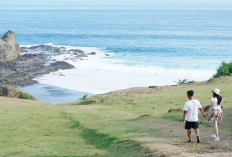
point(190, 125)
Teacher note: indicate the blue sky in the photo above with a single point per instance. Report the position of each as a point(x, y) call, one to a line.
point(117, 4)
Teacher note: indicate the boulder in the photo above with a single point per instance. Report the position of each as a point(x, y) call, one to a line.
point(76, 51)
point(82, 55)
point(206, 108)
point(9, 49)
point(62, 65)
point(175, 110)
point(11, 92)
point(152, 86)
point(92, 53)
point(145, 115)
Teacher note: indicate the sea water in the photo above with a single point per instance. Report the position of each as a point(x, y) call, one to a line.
point(146, 46)
point(53, 94)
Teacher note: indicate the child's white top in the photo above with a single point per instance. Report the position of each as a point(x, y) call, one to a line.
point(192, 107)
point(215, 104)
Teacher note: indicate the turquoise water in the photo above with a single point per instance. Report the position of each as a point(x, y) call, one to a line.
point(168, 39)
point(53, 94)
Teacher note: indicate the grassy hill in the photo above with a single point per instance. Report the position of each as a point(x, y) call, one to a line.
point(128, 123)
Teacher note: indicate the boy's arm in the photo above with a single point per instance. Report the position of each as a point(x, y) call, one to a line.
point(203, 113)
point(184, 116)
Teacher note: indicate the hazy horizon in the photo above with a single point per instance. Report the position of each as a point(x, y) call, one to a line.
point(116, 4)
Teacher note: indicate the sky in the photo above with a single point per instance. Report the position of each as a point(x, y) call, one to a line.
point(115, 4)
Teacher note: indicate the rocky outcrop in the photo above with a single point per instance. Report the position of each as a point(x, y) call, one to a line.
point(9, 49)
point(175, 110)
point(22, 71)
point(92, 53)
point(11, 92)
point(60, 65)
point(206, 108)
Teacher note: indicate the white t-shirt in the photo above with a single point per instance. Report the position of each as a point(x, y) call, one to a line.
point(192, 107)
point(215, 104)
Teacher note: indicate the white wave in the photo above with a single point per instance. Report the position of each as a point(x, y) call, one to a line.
point(100, 81)
point(49, 44)
point(101, 74)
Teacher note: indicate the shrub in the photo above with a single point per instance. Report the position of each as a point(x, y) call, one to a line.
point(87, 102)
point(25, 96)
point(84, 97)
point(184, 81)
point(223, 69)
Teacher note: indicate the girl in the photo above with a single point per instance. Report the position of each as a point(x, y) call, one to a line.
point(216, 111)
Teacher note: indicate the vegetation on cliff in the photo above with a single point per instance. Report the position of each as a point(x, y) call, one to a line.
point(11, 92)
point(224, 69)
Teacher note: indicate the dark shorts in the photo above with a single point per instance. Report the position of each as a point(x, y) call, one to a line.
point(190, 125)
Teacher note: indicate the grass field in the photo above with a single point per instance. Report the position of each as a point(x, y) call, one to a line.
point(127, 123)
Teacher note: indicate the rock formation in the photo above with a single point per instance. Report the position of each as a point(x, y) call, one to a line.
point(175, 110)
point(22, 71)
point(9, 49)
point(206, 108)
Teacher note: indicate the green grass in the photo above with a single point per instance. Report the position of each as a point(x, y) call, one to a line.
point(128, 148)
point(107, 125)
point(99, 140)
point(86, 102)
point(173, 116)
point(84, 97)
point(25, 96)
point(224, 69)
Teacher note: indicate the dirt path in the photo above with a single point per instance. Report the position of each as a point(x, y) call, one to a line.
point(171, 141)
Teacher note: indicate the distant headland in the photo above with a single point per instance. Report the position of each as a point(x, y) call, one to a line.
point(20, 70)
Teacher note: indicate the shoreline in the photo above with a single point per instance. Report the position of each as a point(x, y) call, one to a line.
point(106, 71)
point(34, 62)
point(92, 70)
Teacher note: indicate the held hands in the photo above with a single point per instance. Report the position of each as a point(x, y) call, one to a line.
point(205, 115)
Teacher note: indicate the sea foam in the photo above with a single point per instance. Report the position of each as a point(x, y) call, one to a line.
point(103, 73)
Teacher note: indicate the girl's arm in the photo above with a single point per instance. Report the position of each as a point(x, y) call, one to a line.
point(211, 106)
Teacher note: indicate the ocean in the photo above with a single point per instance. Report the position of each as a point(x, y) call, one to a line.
point(146, 47)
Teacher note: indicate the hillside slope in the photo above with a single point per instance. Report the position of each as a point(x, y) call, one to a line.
point(126, 123)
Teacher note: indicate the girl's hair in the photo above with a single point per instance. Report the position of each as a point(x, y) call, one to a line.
point(219, 98)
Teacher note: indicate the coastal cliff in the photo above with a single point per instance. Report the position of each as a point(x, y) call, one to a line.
point(21, 70)
point(9, 49)
point(11, 92)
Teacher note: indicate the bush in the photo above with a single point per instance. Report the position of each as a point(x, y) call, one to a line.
point(184, 81)
point(84, 97)
point(25, 96)
point(87, 102)
point(223, 69)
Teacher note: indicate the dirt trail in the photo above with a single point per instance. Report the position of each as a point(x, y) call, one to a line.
point(171, 141)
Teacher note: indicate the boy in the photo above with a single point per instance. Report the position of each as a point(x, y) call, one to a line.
point(190, 116)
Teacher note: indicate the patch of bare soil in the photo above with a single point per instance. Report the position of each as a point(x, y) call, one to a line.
point(171, 142)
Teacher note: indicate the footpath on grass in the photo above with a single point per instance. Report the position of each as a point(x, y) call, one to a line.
point(133, 122)
point(141, 114)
